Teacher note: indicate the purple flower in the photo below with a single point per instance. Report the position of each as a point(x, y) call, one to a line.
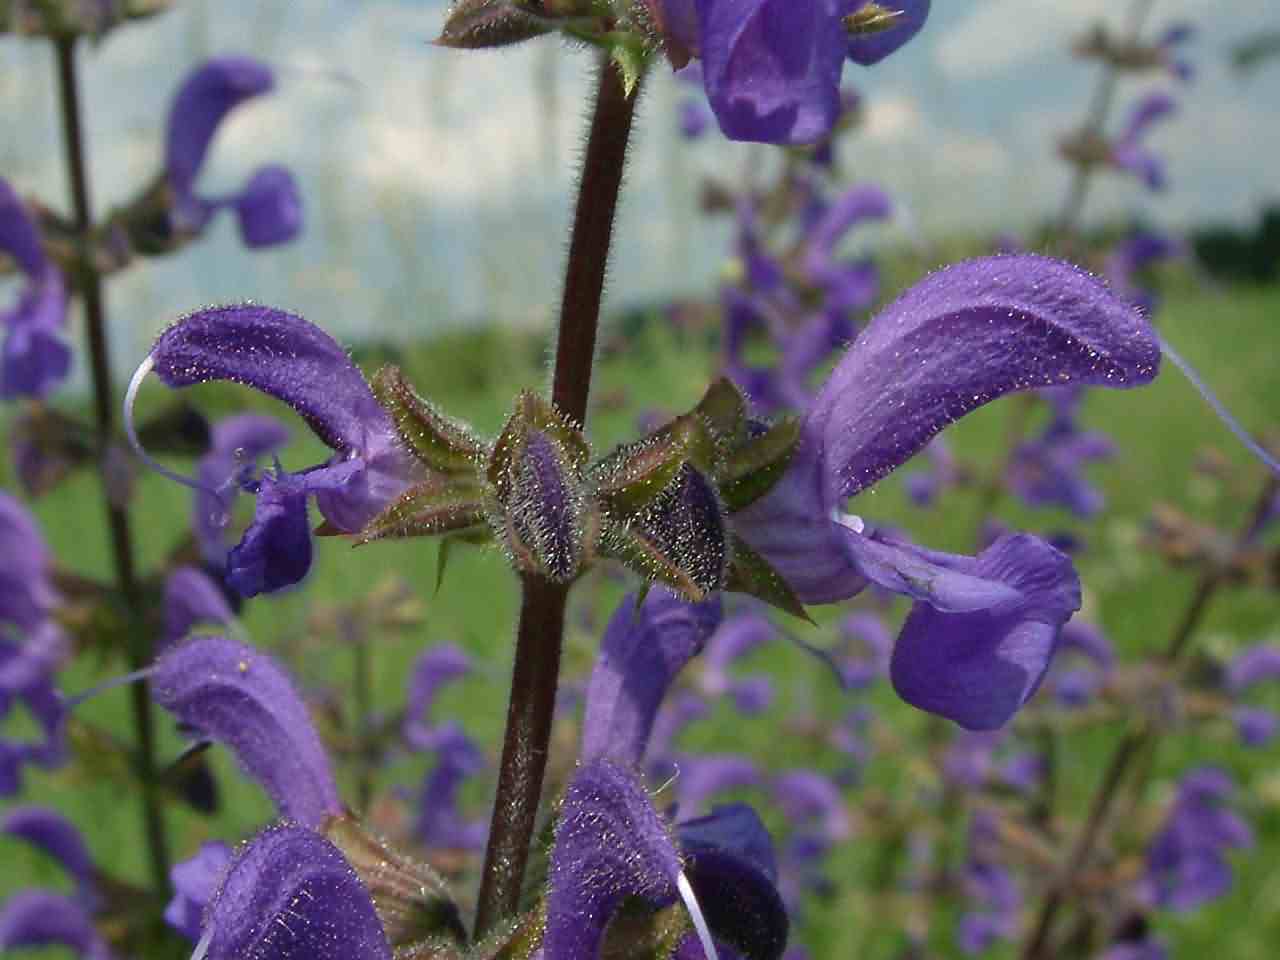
point(983, 629)
point(34, 359)
point(296, 362)
point(771, 68)
point(1257, 665)
point(643, 649)
point(39, 918)
point(734, 639)
point(994, 900)
point(440, 824)
point(872, 647)
point(191, 598)
point(1048, 470)
point(268, 208)
point(434, 669)
point(238, 696)
point(1171, 39)
point(1186, 864)
point(237, 444)
point(847, 285)
point(290, 894)
point(51, 832)
point(1128, 152)
point(195, 882)
point(1131, 256)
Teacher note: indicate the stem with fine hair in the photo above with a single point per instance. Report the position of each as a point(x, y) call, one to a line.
point(540, 633)
point(1133, 744)
point(89, 282)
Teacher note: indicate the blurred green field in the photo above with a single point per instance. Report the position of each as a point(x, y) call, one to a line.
point(1161, 431)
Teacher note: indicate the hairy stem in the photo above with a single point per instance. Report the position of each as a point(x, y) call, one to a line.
point(90, 286)
point(1135, 743)
point(540, 633)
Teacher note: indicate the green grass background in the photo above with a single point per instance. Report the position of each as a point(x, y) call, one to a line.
point(1161, 430)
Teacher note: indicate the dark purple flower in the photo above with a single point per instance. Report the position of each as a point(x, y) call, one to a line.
point(772, 68)
point(26, 677)
point(1171, 39)
point(191, 598)
point(612, 847)
point(237, 444)
point(982, 631)
point(195, 882)
point(296, 362)
point(34, 358)
point(269, 208)
point(291, 895)
point(238, 696)
point(27, 594)
point(847, 285)
point(644, 647)
point(1186, 862)
point(1129, 153)
point(41, 918)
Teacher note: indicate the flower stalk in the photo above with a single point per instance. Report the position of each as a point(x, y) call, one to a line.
point(89, 282)
point(540, 631)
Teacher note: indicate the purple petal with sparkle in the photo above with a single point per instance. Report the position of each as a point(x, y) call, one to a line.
point(242, 698)
point(642, 651)
point(610, 846)
point(291, 895)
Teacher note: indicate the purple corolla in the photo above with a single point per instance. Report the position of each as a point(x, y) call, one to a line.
point(1260, 664)
point(771, 68)
point(1130, 153)
point(34, 358)
point(288, 358)
point(268, 208)
point(983, 629)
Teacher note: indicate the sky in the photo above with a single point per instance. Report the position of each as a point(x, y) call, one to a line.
point(438, 183)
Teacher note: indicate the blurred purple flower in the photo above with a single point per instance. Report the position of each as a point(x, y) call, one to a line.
point(191, 598)
point(1130, 154)
point(734, 639)
point(41, 918)
point(1186, 863)
point(435, 668)
point(1256, 665)
point(440, 824)
point(34, 359)
point(1171, 40)
point(994, 900)
point(983, 630)
point(1131, 257)
point(195, 882)
point(269, 208)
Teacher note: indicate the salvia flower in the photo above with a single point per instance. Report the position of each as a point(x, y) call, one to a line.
point(734, 639)
point(1257, 665)
point(995, 903)
point(195, 881)
point(1186, 862)
point(443, 664)
point(983, 629)
point(1048, 469)
point(34, 358)
point(1131, 257)
point(230, 693)
point(771, 68)
point(268, 208)
point(191, 598)
point(1170, 43)
point(440, 823)
point(296, 362)
point(1130, 154)
point(236, 444)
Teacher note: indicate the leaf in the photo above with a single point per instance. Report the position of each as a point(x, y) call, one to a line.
point(751, 574)
point(756, 467)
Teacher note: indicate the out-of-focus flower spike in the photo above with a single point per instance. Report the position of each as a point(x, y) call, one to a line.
point(240, 697)
point(191, 598)
point(41, 918)
point(52, 833)
point(195, 882)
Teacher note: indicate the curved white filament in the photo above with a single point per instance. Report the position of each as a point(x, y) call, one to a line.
point(110, 684)
point(1219, 408)
point(695, 914)
point(202, 947)
point(131, 430)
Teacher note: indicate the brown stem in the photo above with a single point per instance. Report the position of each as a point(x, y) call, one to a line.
point(540, 633)
point(90, 286)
